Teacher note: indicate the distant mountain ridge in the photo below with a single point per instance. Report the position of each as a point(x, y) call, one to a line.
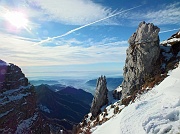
point(112, 83)
point(39, 82)
point(87, 85)
point(65, 107)
point(85, 97)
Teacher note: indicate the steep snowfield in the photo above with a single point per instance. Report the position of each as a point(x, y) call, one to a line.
point(156, 112)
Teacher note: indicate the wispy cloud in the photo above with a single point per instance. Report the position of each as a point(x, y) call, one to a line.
point(165, 31)
point(86, 25)
point(160, 15)
point(21, 51)
point(170, 14)
point(76, 12)
point(67, 12)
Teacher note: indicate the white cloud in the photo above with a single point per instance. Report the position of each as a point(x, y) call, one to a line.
point(168, 15)
point(76, 12)
point(80, 12)
point(23, 53)
point(164, 15)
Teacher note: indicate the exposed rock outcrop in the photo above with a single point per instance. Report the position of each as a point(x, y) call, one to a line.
point(174, 42)
point(18, 110)
point(142, 60)
point(101, 96)
point(170, 52)
point(117, 93)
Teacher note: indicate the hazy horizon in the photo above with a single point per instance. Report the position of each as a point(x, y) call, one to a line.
point(86, 75)
point(83, 71)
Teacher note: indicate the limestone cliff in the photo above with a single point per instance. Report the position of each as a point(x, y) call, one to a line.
point(100, 98)
point(18, 111)
point(142, 59)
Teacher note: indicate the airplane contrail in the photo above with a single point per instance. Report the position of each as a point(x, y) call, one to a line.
point(169, 30)
point(76, 29)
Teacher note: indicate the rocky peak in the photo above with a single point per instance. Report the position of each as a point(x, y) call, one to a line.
point(18, 110)
point(100, 98)
point(146, 32)
point(142, 59)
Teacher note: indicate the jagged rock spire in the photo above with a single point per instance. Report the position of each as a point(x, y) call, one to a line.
point(142, 59)
point(100, 98)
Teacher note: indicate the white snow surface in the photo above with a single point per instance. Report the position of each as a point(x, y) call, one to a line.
point(13, 95)
point(170, 41)
point(25, 125)
point(44, 108)
point(155, 112)
point(6, 113)
point(119, 89)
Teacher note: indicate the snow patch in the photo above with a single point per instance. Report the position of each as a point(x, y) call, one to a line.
point(13, 95)
point(44, 108)
point(6, 113)
point(26, 124)
point(170, 41)
point(119, 89)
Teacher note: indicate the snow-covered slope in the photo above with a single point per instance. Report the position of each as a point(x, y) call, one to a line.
point(156, 112)
point(173, 39)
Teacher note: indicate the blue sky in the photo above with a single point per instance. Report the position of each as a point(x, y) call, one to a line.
point(60, 37)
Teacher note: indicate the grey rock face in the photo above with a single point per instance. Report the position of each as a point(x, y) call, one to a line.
point(142, 59)
point(100, 98)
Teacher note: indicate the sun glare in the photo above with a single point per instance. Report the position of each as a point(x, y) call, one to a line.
point(16, 19)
